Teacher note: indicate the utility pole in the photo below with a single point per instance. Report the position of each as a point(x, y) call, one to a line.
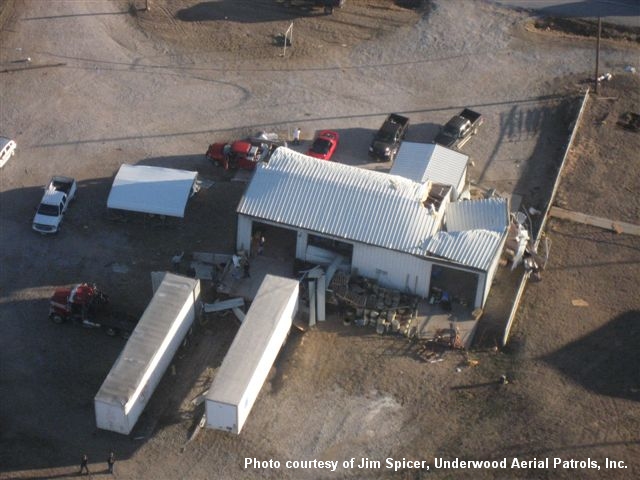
point(598, 53)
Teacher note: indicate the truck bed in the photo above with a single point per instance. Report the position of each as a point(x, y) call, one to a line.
point(62, 184)
point(399, 119)
point(470, 115)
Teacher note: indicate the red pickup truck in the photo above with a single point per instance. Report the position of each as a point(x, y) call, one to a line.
point(244, 154)
point(239, 154)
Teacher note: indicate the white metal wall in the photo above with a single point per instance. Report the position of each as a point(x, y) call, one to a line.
point(301, 245)
point(490, 274)
point(111, 417)
point(243, 239)
point(222, 416)
point(392, 269)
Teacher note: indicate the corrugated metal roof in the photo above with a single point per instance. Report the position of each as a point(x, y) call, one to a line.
point(427, 161)
point(339, 200)
point(146, 340)
point(472, 248)
point(488, 214)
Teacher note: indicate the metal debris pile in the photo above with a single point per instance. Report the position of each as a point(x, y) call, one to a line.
point(363, 302)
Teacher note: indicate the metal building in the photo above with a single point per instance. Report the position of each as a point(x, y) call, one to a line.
point(387, 227)
point(429, 161)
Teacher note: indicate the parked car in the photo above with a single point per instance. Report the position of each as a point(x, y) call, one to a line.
point(324, 145)
point(7, 150)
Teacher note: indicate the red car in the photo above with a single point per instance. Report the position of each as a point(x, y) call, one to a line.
point(324, 145)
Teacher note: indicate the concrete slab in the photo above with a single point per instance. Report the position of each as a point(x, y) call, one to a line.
point(434, 321)
point(260, 266)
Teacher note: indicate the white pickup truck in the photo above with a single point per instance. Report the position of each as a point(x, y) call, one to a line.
point(57, 196)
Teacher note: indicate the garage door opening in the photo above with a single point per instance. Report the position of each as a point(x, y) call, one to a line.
point(453, 285)
point(273, 242)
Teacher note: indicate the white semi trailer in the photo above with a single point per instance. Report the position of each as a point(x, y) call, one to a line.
point(252, 353)
point(147, 354)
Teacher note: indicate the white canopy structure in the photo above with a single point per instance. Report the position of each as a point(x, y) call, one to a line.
point(154, 190)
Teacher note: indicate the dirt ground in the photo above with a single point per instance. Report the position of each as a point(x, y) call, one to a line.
point(107, 85)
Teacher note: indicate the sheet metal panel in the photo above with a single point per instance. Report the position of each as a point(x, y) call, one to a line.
point(427, 161)
point(488, 214)
point(342, 201)
point(154, 190)
point(472, 248)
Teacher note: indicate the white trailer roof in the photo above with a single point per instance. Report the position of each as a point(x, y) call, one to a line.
point(148, 189)
point(252, 339)
point(428, 161)
point(155, 325)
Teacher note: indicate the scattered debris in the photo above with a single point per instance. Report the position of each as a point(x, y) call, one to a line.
point(196, 430)
point(119, 268)
point(503, 380)
point(534, 211)
point(606, 77)
point(204, 183)
point(578, 302)
point(176, 259)
point(239, 314)
point(200, 398)
point(218, 306)
point(615, 226)
point(630, 121)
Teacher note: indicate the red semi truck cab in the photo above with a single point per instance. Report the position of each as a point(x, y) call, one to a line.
point(85, 303)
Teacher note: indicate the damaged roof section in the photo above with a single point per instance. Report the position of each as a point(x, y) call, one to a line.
point(476, 230)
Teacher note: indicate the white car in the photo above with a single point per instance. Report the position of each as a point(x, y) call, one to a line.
point(7, 149)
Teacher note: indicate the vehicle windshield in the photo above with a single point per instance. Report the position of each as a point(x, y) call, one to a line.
point(50, 210)
point(451, 131)
point(321, 145)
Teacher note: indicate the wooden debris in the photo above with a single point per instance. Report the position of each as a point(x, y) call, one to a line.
point(615, 226)
point(578, 302)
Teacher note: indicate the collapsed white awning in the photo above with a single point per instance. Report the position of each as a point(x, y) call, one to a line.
point(155, 190)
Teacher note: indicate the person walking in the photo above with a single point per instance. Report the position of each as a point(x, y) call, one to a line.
point(84, 464)
point(110, 461)
point(296, 136)
point(246, 268)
